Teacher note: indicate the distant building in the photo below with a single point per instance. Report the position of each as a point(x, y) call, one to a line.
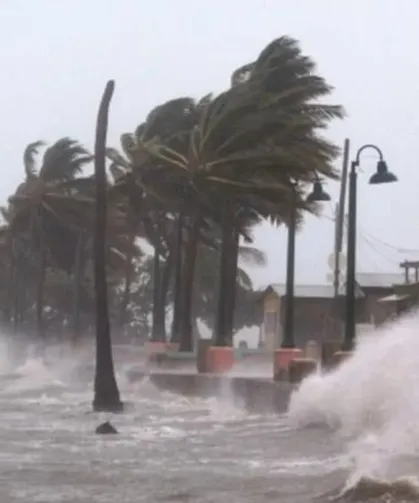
point(318, 314)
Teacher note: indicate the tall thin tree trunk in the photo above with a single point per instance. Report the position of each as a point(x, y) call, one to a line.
point(232, 289)
point(166, 277)
point(10, 292)
point(129, 272)
point(77, 283)
point(185, 326)
point(158, 333)
point(16, 289)
point(22, 291)
point(106, 392)
point(177, 289)
point(40, 286)
point(221, 336)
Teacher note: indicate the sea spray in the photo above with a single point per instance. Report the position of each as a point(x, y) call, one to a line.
point(371, 401)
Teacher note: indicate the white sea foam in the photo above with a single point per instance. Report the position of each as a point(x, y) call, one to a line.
point(371, 402)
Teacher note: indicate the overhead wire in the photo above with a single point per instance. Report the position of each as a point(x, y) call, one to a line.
point(376, 239)
point(390, 259)
point(391, 253)
point(390, 246)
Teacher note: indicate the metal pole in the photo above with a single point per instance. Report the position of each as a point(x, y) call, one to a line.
point(288, 339)
point(350, 330)
point(337, 249)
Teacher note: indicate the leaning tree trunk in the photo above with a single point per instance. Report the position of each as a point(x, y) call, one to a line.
point(22, 289)
point(16, 304)
point(77, 285)
point(177, 289)
point(232, 288)
point(158, 333)
point(40, 287)
point(166, 277)
point(17, 268)
point(10, 292)
point(221, 335)
point(106, 392)
point(185, 325)
point(129, 273)
point(129, 265)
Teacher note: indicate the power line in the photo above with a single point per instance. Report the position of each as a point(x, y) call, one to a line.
point(371, 245)
point(392, 247)
point(378, 240)
point(371, 261)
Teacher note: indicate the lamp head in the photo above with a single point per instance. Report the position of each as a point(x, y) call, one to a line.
point(318, 194)
point(382, 175)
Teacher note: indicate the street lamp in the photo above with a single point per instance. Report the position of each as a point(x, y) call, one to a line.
point(382, 175)
point(317, 195)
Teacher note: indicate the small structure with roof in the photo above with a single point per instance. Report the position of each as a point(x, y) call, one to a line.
point(318, 313)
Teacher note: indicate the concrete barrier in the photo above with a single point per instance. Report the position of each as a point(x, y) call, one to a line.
point(328, 349)
point(339, 357)
point(282, 358)
point(219, 360)
point(255, 395)
point(300, 368)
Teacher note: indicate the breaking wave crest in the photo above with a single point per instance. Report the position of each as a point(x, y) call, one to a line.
point(371, 403)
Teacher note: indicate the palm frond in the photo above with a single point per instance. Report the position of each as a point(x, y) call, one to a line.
point(29, 154)
point(244, 280)
point(63, 160)
point(252, 256)
point(117, 159)
point(117, 173)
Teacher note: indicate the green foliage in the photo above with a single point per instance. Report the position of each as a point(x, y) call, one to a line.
point(248, 147)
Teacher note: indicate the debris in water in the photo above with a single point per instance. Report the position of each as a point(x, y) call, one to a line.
point(106, 429)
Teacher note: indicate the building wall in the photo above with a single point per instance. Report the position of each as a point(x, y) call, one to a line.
point(271, 329)
point(315, 318)
point(376, 312)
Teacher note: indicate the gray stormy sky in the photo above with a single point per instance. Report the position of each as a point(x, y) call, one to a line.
point(56, 57)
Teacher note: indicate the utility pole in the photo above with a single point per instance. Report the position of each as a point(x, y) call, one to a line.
point(339, 228)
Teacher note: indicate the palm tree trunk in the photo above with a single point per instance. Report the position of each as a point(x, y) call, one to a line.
point(185, 325)
point(232, 289)
point(77, 282)
point(106, 392)
point(22, 291)
point(221, 336)
point(129, 272)
point(158, 333)
point(17, 271)
point(166, 277)
point(177, 290)
point(11, 286)
point(40, 286)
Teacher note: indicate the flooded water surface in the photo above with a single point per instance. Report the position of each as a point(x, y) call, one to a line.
point(352, 435)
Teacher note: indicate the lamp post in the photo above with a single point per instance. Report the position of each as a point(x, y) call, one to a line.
point(382, 175)
point(317, 195)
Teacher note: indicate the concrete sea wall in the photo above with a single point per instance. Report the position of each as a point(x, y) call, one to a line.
point(254, 394)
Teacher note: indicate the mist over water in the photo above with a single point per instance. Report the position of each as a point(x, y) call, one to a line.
point(371, 403)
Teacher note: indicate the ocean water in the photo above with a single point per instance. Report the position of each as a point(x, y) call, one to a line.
point(350, 435)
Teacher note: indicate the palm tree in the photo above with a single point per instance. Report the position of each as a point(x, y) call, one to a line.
point(106, 392)
point(45, 212)
point(248, 144)
point(205, 286)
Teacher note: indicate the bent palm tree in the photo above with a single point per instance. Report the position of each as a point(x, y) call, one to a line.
point(45, 211)
point(106, 392)
point(249, 143)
